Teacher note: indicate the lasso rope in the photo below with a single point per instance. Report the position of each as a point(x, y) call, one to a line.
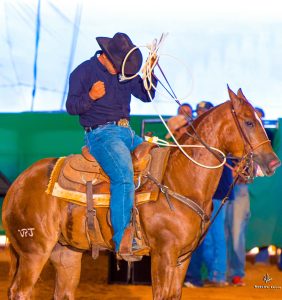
point(147, 71)
point(160, 142)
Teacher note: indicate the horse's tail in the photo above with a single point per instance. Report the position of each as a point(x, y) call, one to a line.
point(14, 262)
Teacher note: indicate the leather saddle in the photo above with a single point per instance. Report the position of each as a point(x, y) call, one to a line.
point(74, 176)
point(81, 168)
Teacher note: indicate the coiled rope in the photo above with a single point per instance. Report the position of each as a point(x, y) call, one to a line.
point(147, 71)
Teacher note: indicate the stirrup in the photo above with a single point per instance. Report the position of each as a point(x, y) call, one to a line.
point(136, 253)
point(129, 257)
point(140, 251)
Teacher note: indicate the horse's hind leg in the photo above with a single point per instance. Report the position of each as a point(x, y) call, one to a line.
point(28, 271)
point(14, 260)
point(67, 263)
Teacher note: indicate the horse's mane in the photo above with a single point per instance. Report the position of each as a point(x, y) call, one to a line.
point(205, 114)
point(190, 131)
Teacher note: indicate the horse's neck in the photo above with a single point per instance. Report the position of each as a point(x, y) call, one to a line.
point(186, 177)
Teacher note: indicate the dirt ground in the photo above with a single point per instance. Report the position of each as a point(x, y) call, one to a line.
point(94, 284)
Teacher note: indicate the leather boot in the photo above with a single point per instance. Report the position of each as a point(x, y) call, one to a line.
point(126, 251)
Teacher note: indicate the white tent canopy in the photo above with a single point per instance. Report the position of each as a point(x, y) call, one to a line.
point(209, 45)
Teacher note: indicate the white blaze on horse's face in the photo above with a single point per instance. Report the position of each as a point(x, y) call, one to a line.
point(260, 121)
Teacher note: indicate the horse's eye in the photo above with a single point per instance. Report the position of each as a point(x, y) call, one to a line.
point(249, 124)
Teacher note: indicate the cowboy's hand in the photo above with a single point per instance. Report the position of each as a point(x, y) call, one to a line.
point(151, 62)
point(97, 90)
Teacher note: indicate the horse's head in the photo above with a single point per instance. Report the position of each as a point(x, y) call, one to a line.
point(249, 139)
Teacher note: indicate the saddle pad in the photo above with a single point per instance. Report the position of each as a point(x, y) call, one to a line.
point(100, 200)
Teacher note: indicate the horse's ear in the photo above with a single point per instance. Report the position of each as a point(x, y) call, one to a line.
point(241, 95)
point(235, 100)
point(232, 95)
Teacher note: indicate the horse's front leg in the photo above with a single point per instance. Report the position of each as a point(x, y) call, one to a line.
point(167, 277)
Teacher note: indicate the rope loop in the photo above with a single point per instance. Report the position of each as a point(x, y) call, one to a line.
point(160, 142)
point(147, 71)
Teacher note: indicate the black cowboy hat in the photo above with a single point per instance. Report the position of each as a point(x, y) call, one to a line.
point(116, 49)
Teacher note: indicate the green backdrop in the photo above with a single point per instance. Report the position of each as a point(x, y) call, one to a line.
point(265, 226)
point(28, 137)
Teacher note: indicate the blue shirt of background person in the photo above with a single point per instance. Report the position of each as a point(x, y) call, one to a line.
point(225, 181)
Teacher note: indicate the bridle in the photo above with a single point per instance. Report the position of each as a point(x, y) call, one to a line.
point(245, 166)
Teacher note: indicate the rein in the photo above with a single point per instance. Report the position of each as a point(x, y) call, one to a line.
point(188, 118)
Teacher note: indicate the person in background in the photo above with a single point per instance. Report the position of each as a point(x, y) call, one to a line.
point(260, 112)
point(280, 261)
point(185, 109)
point(202, 107)
point(236, 221)
point(178, 123)
point(194, 276)
point(214, 244)
point(102, 102)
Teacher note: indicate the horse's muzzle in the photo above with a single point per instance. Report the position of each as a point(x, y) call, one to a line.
point(266, 167)
point(273, 165)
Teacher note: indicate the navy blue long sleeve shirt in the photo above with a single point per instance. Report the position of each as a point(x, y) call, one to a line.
point(114, 105)
point(225, 181)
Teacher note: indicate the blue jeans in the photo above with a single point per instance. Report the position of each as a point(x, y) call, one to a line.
point(194, 272)
point(214, 246)
point(111, 145)
point(237, 217)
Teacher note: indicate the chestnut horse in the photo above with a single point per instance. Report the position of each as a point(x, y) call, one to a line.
point(34, 221)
